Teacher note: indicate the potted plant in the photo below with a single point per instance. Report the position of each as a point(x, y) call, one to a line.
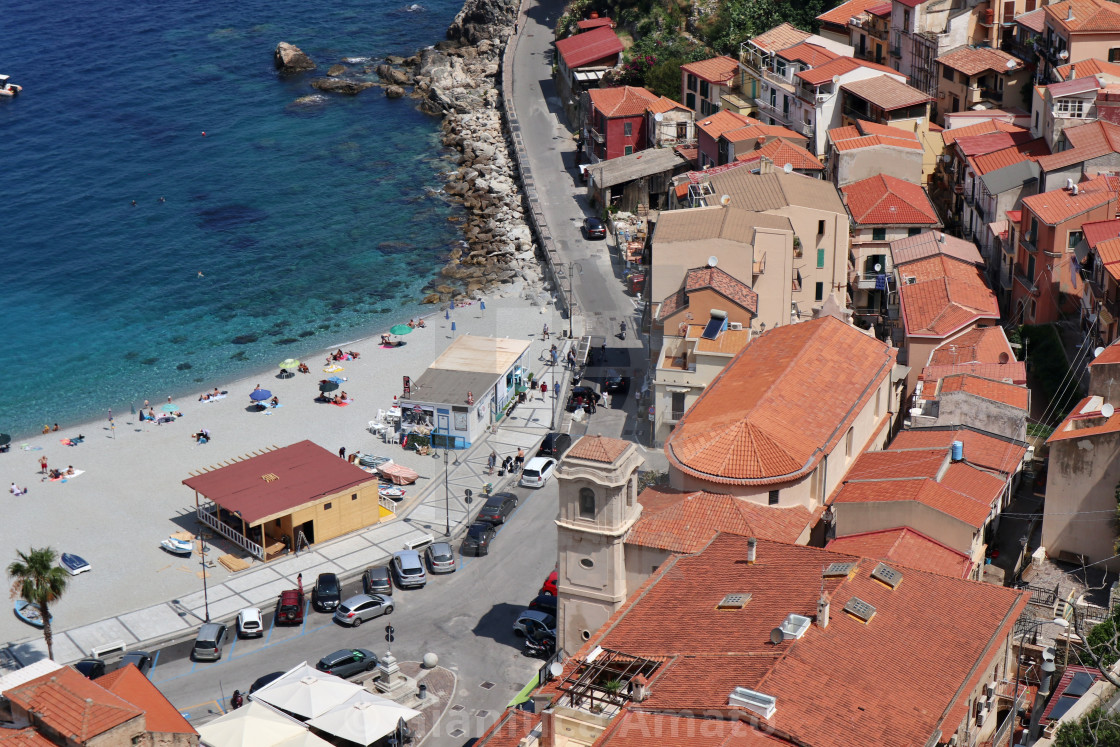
point(612, 687)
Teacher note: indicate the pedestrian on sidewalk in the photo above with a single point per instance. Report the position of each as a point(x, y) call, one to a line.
point(237, 700)
point(519, 460)
point(555, 355)
point(342, 452)
point(43, 465)
point(544, 333)
point(544, 390)
point(491, 461)
point(571, 359)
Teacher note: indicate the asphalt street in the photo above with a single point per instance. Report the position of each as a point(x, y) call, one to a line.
point(465, 618)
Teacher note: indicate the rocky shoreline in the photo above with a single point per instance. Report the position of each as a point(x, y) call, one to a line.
point(457, 80)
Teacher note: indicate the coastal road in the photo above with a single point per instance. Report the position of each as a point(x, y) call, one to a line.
point(464, 617)
point(594, 265)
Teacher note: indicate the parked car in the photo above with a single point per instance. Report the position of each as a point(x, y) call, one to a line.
point(289, 608)
point(497, 508)
point(142, 660)
point(91, 668)
point(376, 580)
point(326, 595)
point(264, 681)
point(250, 623)
point(479, 536)
point(347, 662)
point(209, 642)
point(544, 603)
point(408, 570)
point(616, 383)
point(549, 585)
point(593, 228)
point(361, 607)
point(583, 396)
point(440, 557)
point(536, 624)
point(537, 471)
point(555, 445)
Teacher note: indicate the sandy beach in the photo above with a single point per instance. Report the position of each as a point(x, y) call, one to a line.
point(129, 495)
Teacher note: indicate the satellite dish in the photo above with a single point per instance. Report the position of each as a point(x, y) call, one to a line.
point(1011, 64)
point(788, 168)
point(776, 636)
point(1064, 54)
point(835, 79)
point(1097, 352)
point(878, 267)
point(1107, 410)
point(712, 261)
point(659, 116)
point(725, 200)
point(556, 669)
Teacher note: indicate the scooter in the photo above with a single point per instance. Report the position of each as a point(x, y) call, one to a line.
point(542, 649)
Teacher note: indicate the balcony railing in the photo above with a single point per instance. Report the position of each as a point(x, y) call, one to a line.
point(780, 81)
point(896, 51)
point(208, 516)
point(598, 136)
point(855, 112)
point(776, 112)
point(805, 128)
point(867, 280)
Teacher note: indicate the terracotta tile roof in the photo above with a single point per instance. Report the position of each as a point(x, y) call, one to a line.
point(727, 286)
point(1014, 372)
point(1111, 354)
point(882, 9)
point(691, 520)
point(716, 70)
point(980, 345)
point(1083, 68)
point(588, 47)
point(508, 731)
point(847, 132)
point(695, 225)
point(1072, 87)
point(887, 200)
point(665, 104)
point(1109, 253)
point(740, 431)
point(922, 490)
point(884, 130)
point(634, 729)
point(975, 60)
point(782, 36)
point(843, 143)
point(985, 450)
point(1100, 230)
point(946, 296)
point(1010, 156)
point(723, 121)
point(933, 244)
point(781, 152)
point(886, 93)
point(1088, 141)
point(974, 145)
point(905, 547)
point(915, 661)
point(594, 23)
point(809, 54)
point(991, 125)
point(624, 101)
point(839, 66)
point(998, 391)
point(845, 11)
point(729, 342)
point(1088, 16)
point(68, 703)
point(1060, 205)
point(761, 131)
point(1080, 424)
point(598, 449)
point(1035, 20)
point(23, 738)
point(981, 486)
point(897, 465)
point(159, 715)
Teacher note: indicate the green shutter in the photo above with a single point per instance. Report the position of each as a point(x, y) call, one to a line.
point(820, 259)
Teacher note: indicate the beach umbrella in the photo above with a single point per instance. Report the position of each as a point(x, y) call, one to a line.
point(289, 364)
point(167, 408)
point(336, 379)
point(260, 395)
point(400, 329)
point(327, 386)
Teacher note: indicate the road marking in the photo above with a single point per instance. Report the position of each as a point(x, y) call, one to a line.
point(155, 659)
point(271, 627)
point(207, 705)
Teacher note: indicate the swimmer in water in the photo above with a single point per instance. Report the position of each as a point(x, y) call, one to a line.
point(162, 200)
point(200, 274)
point(134, 203)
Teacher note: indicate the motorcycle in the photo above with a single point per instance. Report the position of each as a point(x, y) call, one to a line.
point(542, 649)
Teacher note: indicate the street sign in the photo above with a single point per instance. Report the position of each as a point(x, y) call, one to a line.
point(468, 495)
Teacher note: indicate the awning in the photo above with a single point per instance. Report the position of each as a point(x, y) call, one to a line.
point(526, 692)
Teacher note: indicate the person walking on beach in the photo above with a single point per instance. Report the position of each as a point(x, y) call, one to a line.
point(571, 359)
point(491, 461)
point(43, 465)
point(342, 452)
point(544, 333)
point(519, 460)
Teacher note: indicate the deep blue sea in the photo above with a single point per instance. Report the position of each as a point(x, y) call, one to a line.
point(311, 224)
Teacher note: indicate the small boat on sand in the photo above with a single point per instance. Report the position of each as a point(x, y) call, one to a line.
point(388, 491)
point(29, 612)
point(8, 89)
point(75, 564)
point(177, 546)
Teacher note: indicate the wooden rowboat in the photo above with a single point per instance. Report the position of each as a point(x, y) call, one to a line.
point(29, 612)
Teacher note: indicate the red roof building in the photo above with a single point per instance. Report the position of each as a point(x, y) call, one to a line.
point(617, 121)
point(884, 99)
point(599, 47)
point(777, 153)
point(905, 547)
point(161, 717)
point(889, 202)
point(66, 703)
point(706, 82)
point(594, 23)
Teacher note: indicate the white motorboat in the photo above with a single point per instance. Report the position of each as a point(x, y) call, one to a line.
point(7, 88)
point(177, 546)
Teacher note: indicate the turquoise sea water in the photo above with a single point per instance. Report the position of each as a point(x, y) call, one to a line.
point(311, 224)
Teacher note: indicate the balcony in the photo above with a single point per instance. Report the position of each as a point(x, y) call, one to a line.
point(598, 137)
point(736, 103)
point(780, 81)
point(855, 112)
point(867, 280)
point(1028, 244)
point(977, 94)
point(896, 51)
point(778, 113)
point(805, 128)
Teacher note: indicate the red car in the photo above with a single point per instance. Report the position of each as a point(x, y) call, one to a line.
point(289, 608)
point(549, 586)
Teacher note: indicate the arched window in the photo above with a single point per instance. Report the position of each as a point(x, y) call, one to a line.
point(586, 503)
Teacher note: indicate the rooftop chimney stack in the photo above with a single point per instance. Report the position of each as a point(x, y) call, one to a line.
point(752, 548)
point(1069, 15)
point(822, 612)
point(1072, 68)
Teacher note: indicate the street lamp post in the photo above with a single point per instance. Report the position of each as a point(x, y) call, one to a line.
point(446, 495)
point(572, 266)
point(205, 592)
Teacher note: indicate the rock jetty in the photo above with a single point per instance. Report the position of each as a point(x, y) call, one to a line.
point(290, 59)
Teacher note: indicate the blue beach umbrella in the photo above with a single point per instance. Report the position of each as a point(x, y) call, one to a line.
point(260, 395)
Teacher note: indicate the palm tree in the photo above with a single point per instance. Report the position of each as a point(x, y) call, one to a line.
point(39, 580)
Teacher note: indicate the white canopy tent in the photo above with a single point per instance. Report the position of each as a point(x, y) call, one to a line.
point(257, 725)
point(363, 719)
point(306, 692)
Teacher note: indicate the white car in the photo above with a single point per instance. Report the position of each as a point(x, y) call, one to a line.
point(250, 624)
point(537, 471)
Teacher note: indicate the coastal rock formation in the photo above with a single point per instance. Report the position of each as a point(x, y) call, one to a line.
point(393, 75)
point(394, 92)
point(290, 59)
point(480, 20)
point(341, 85)
point(336, 70)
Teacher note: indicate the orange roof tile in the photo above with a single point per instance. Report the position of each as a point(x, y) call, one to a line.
point(981, 486)
point(997, 391)
point(1099, 230)
point(809, 54)
point(893, 465)
point(781, 152)
point(598, 448)
point(989, 142)
point(722, 121)
point(679, 521)
point(780, 37)
point(1085, 68)
point(922, 490)
point(932, 244)
point(886, 93)
point(946, 296)
point(716, 70)
point(980, 345)
point(1111, 354)
point(845, 11)
point(717, 279)
point(980, 128)
point(887, 200)
point(159, 715)
point(635, 729)
point(975, 60)
point(999, 159)
point(1060, 205)
point(665, 104)
point(1089, 140)
point(508, 731)
point(986, 450)
point(915, 661)
point(740, 429)
point(883, 130)
point(906, 547)
point(623, 101)
point(591, 23)
point(1087, 15)
point(1109, 253)
point(68, 703)
point(23, 738)
point(761, 131)
point(1015, 372)
point(1082, 425)
point(847, 132)
point(588, 47)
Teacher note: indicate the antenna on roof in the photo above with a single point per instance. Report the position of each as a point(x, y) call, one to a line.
point(1098, 351)
point(725, 200)
point(712, 260)
point(788, 168)
point(1107, 410)
point(776, 636)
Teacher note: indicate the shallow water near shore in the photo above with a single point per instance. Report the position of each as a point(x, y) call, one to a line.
point(285, 229)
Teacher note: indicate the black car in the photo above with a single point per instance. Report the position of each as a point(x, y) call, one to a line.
point(347, 662)
point(583, 396)
point(593, 228)
point(142, 660)
point(268, 679)
point(616, 383)
point(376, 580)
point(555, 445)
point(544, 603)
point(327, 594)
point(91, 669)
point(477, 541)
point(498, 507)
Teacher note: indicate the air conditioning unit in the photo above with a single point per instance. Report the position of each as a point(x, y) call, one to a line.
point(737, 326)
point(990, 690)
point(822, 97)
point(982, 717)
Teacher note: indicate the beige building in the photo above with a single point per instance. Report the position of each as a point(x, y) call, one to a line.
point(980, 78)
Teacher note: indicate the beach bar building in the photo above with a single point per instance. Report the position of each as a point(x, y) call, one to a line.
point(271, 500)
point(468, 387)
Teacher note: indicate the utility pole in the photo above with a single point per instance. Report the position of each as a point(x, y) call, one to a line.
point(571, 299)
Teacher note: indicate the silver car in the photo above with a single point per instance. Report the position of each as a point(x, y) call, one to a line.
point(361, 607)
point(441, 558)
point(408, 570)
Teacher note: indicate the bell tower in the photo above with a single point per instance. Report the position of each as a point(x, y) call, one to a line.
point(598, 483)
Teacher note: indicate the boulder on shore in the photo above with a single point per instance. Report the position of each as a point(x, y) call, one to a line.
point(290, 59)
point(339, 85)
point(394, 92)
point(336, 70)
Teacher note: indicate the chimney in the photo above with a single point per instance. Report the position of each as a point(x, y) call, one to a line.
point(752, 545)
point(639, 688)
point(1069, 184)
point(941, 238)
point(1072, 68)
point(1074, 189)
point(822, 612)
point(1069, 15)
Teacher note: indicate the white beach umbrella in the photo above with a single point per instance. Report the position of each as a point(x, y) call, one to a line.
point(307, 692)
point(363, 719)
point(253, 725)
